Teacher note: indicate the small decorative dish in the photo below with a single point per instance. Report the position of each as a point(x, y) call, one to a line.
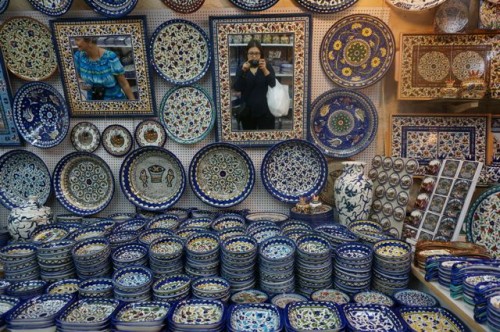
point(150, 133)
point(431, 319)
point(49, 233)
point(117, 140)
point(85, 136)
point(372, 317)
point(252, 5)
point(52, 8)
point(183, 6)
point(254, 317)
point(313, 315)
point(281, 300)
point(331, 295)
point(415, 298)
point(114, 8)
point(198, 313)
point(68, 286)
point(142, 315)
point(373, 297)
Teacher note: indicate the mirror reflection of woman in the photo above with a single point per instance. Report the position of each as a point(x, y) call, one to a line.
point(100, 72)
point(252, 80)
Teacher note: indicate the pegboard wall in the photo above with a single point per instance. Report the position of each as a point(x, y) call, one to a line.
point(259, 199)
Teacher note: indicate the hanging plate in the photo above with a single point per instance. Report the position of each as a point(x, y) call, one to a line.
point(3, 5)
point(51, 7)
point(254, 5)
point(117, 140)
point(343, 122)
point(112, 8)
point(414, 5)
point(328, 6)
point(184, 6)
point(357, 51)
point(150, 133)
point(85, 137)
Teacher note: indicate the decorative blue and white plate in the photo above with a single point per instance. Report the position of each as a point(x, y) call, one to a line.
point(187, 114)
point(184, 6)
point(221, 175)
point(117, 140)
point(431, 319)
point(83, 183)
point(342, 122)
point(152, 178)
point(112, 8)
point(293, 169)
point(328, 6)
point(3, 5)
point(180, 51)
point(150, 133)
point(357, 51)
point(40, 115)
point(23, 174)
point(51, 7)
point(372, 317)
point(254, 5)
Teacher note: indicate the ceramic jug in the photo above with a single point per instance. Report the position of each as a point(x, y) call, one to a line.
point(24, 220)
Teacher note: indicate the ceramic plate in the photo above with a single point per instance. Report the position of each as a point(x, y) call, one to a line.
point(452, 16)
point(343, 123)
point(372, 318)
point(117, 140)
point(357, 51)
point(293, 169)
point(3, 5)
point(180, 52)
point(254, 5)
point(431, 319)
point(314, 315)
point(28, 49)
point(483, 224)
point(112, 8)
point(414, 5)
point(221, 175)
point(328, 6)
point(254, 317)
point(488, 15)
point(187, 114)
point(184, 6)
point(85, 137)
point(23, 174)
point(41, 115)
point(152, 178)
point(51, 7)
point(84, 183)
point(150, 133)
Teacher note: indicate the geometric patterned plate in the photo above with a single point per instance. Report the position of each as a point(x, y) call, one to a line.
point(326, 6)
point(254, 5)
point(357, 51)
point(23, 174)
point(112, 8)
point(184, 6)
point(51, 7)
point(83, 183)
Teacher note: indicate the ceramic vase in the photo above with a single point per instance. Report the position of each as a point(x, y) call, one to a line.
point(474, 87)
point(24, 220)
point(353, 193)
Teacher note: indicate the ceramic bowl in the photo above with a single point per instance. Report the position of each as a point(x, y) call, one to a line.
point(262, 233)
point(313, 245)
point(239, 245)
point(7, 305)
point(372, 317)
point(184, 233)
point(199, 314)
point(294, 235)
point(95, 287)
point(91, 249)
point(202, 244)
point(129, 253)
point(277, 249)
point(258, 224)
point(230, 232)
point(364, 226)
point(132, 279)
point(228, 220)
point(121, 217)
point(199, 222)
point(166, 247)
point(373, 297)
point(55, 248)
point(149, 235)
point(133, 225)
point(16, 252)
point(199, 213)
point(332, 295)
point(25, 289)
point(415, 298)
point(120, 238)
point(49, 233)
point(254, 317)
point(42, 309)
point(392, 250)
point(88, 314)
point(87, 233)
point(313, 315)
point(249, 296)
point(172, 285)
point(354, 252)
point(210, 287)
point(62, 287)
point(431, 319)
point(275, 217)
point(108, 225)
point(181, 213)
point(295, 224)
point(142, 315)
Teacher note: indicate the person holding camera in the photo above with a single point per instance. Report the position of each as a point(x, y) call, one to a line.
point(252, 80)
point(100, 72)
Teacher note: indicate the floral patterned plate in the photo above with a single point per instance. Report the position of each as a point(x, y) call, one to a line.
point(326, 6)
point(483, 224)
point(117, 140)
point(152, 178)
point(343, 123)
point(28, 49)
point(84, 183)
point(452, 16)
point(293, 169)
point(373, 297)
point(40, 115)
point(372, 318)
point(254, 5)
point(150, 133)
point(414, 5)
point(180, 51)
point(85, 137)
point(51, 7)
point(431, 319)
point(357, 51)
point(112, 8)
point(23, 174)
point(45, 307)
point(196, 312)
point(187, 114)
point(221, 175)
point(184, 6)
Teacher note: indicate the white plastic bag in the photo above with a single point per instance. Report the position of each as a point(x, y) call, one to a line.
point(278, 99)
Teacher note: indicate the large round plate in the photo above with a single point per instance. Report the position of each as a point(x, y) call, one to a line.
point(221, 175)
point(85, 137)
point(40, 115)
point(329, 6)
point(23, 174)
point(180, 52)
point(112, 8)
point(357, 51)
point(28, 49)
point(152, 178)
point(293, 169)
point(254, 5)
point(184, 6)
point(414, 5)
point(343, 122)
point(187, 114)
point(3, 5)
point(51, 7)
point(83, 183)
point(150, 133)
point(483, 223)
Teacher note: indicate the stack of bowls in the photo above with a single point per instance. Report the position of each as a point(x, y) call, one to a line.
point(130, 254)
point(295, 234)
point(141, 316)
point(55, 260)
point(122, 238)
point(133, 225)
point(165, 256)
point(87, 233)
point(254, 317)
point(19, 262)
point(172, 289)
point(92, 258)
point(64, 287)
point(277, 265)
point(88, 315)
point(238, 257)
point(263, 233)
point(197, 315)
point(228, 220)
point(211, 288)
point(202, 255)
point(96, 288)
point(336, 234)
point(493, 312)
point(133, 284)
point(7, 305)
point(149, 235)
point(392, 265)
point(314, 264)
point(353, 267)
point(369, 232)
point(230, 232)
point(165, 221)
point(24, 290)
point(198, 222)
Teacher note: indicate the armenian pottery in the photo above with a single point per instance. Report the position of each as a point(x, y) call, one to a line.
point(24, 220)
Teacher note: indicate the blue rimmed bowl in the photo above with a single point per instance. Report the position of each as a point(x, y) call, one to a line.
point(263, 233)
point(365, 226)
point(26, 289)
point(431, 319)
point(354, 252)
point(254, 317)
point(53, 249)
point(7, 305)
point(166, 247)
point(372, 317)
point(281, 300)
point(121, 217)
point(313, 315)
point(295, 224)
point(120, 238)
point(38, 312)
point(228, 220)
point(202, 244)
point(239, 246)
point(277, 249)
point(198, 222)
point(331, 295)
point(107, 224)
point(17, 252)
point(184, 233)
point(392, 250)
point(316, 246)
point(91, 250)
point(63, 287)
point(251, 227)
point(133, 225)
point(190, 315)
point(88, 315)
point(230, 232)
point(295, 234)
point(49, 233)
point(415, 298)
point(87, 233)
point(96, 288)
point(129, 254)
point(167, 220)
point(373, 297)
point(141, 316)
point(149, 235)
point(132, 279)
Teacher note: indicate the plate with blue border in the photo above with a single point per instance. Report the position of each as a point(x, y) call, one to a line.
point(292, 169)
point(221, 175)
point(342, 122)
point(325, 7)
point(3, 5)
point(112, 8)
point(51, 7)
point(252, 5)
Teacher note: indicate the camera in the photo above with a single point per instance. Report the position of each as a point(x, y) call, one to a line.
point(254, 63)
point(98, 92)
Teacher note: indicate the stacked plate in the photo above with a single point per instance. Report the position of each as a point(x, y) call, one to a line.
point(202, 255)
point(165, 256)
point(88, 315)
point(483, 291)
point(55, 260)
point(211, 289)
point(7, 305)
point(19, 262)
point(444, 270)
point(172, 289)
point(314, 264)
point(92, 258)
point(130, 254)
point(353, 267)
point(276, 265)
point(96, 288)
point(197, 315)
point(141, 316)
point(133, 284)
point(313, 315)
point(24, 290)
point(254, 317)
point(122, 238)
point(493, 312)
point(238, 257)
point(470, 282)
point(392, 265)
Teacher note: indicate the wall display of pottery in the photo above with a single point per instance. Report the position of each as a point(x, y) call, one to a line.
point(443, 201)
point(427, 61)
